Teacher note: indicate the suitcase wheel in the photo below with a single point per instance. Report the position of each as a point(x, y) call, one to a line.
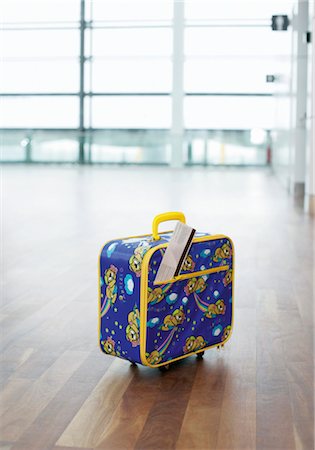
point(133, 364)
point(200, 355)
point(164, 368)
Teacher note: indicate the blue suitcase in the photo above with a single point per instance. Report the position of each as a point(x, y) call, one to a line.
point(155, 325)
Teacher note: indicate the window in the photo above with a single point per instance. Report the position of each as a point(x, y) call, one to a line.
point(129, 75)
point(236, 113)
point(39, 44)
point(39, 112)
point(34, 12)
point(130, 45)
point(131, 112)
point(40, 76)
point(136, 11)
point(229, 49)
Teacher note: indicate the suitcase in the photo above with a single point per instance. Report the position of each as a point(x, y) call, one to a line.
point(155, 325)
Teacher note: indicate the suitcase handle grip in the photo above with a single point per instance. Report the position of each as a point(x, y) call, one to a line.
point(173, 215)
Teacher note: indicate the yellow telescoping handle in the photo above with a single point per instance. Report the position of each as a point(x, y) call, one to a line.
point(173, 215)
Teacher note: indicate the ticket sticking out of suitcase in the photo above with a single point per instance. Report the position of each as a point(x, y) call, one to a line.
point(165, 296)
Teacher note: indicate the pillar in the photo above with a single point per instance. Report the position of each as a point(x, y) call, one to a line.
point(177, 129)
point(300, 24)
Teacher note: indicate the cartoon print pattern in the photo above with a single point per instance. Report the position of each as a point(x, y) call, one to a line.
point(157, 295)
point(133, 327)
point(111, 289)
point(189, 264)
point(109, 346)
point(173, 320)
point(135, 260)
point(193, 344)
point(222, 253)
point(212, 295)
point(184, 316)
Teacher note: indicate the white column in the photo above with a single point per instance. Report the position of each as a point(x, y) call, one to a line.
point(309, 203)
point(300, 89)
point(177, 130)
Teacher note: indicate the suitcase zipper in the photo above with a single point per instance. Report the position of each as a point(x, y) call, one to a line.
point(200, 273)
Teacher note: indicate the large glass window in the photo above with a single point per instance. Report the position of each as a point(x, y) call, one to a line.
point(122, 82)
point(129, 75)
point(40, 76)
point(224, 113)
point(237, 12)
point(131, 112)
point(234, 42)
point(40, 44)
point(129, 59)
point(125, 42)
point(122, 11)
point(32, 13)
point(39, 112)
point(229, 50)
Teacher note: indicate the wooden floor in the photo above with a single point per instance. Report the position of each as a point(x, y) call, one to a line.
point(59, 392)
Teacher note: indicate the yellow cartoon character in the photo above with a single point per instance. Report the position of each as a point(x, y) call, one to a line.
point(190, 286)
point(224, 252)
point(211, 311)
point(109, 346)
point(193, 344)
point(221, 308)
point(227, 278)
point(195, 285)
point(189, 344)
point(226, 332)
point(154, 357)
point(132, 329)
point(155, 296)
point(132, 334)
point(189, 264)
point(135, 264)
point(136, 259)
point(110, 281)
point(215, 309)
point(174, 319)
point(199, 343)
point(134, 316)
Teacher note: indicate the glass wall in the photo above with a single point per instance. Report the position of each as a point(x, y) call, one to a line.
point(91, 81)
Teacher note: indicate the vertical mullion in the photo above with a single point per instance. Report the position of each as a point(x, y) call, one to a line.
point(177, 131)
point(81, 88)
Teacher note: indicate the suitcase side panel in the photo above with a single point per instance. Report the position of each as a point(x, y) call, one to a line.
point(119, 299)
point(193, 313)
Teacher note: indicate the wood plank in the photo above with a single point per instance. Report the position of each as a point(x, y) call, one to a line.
point(168, 410)
point(88, 428)
point(25, 410)
point(237, 413)
point(132, 411)
point(57, 447)
point(238, 403)
point(274, 416)
point(301, 390)
point(5, 445)
point(202, 417)
point(12, 392)
point(56, 416)
point(59, 392)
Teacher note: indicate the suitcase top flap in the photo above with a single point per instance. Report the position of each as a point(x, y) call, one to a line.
point(137, 245)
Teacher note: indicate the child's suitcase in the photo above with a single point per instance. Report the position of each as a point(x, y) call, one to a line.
point(156, 325)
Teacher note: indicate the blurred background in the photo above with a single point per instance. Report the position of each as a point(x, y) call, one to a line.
point(157, 82)
point(113, 111)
